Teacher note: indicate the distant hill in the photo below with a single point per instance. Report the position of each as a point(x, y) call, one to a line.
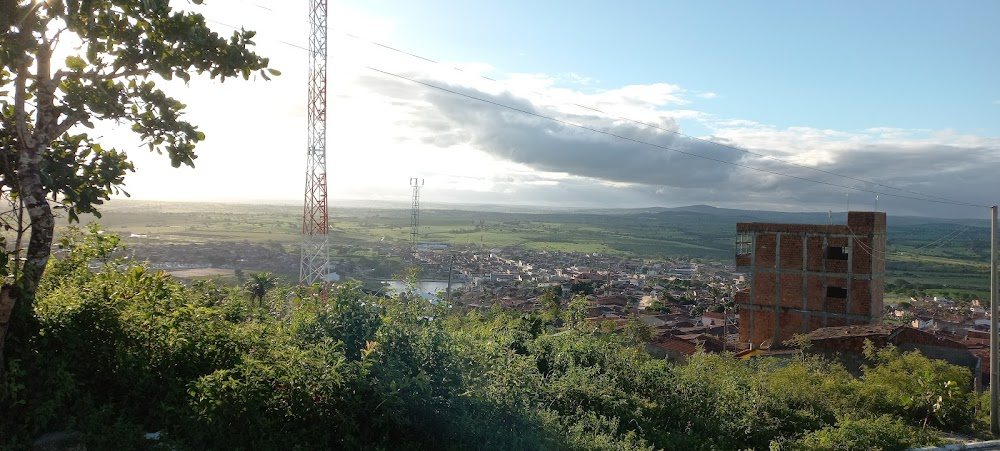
point(836, 217)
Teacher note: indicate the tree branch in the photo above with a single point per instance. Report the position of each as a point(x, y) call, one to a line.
point(58, 76)
point(20, 116)
point(47, 116)
point(94, 76)
point(67, 123)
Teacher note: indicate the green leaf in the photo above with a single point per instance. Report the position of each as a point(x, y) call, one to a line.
point(75, 63)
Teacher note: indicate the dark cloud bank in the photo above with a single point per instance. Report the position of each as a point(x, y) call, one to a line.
point(657, 176)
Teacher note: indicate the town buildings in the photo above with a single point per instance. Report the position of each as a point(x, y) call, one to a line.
point(804, 277)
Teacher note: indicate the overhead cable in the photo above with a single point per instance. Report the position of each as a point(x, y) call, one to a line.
point(925, 197)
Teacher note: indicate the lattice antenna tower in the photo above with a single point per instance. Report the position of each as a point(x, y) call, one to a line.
point(416, 183)
point(315, 216)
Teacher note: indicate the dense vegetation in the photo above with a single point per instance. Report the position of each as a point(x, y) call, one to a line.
point(122, 351)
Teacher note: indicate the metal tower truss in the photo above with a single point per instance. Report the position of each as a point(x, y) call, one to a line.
point(315, 216)
point(416, 183)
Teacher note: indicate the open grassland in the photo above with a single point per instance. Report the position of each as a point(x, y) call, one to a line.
point(196, 222)
point(934, 254)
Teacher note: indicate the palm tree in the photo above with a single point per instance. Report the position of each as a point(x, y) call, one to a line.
point(259, 284)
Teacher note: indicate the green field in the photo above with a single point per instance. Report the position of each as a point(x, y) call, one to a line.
point(935, 255)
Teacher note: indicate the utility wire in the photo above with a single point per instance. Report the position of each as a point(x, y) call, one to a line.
point(257, 5)
point(634, 121)
point(637, 141)
point(925, 198)
point(864, 247)
point(871, 251)
point(945, 239)
point(657, 127)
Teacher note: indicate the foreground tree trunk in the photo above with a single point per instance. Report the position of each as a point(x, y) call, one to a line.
point(34, 142)
point(42, 226)
point(42, 161)
point(7, 301)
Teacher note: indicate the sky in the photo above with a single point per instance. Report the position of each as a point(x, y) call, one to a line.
point(752, 105)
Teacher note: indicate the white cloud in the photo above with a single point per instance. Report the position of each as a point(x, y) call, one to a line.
point(383, 130)
point(908, 159)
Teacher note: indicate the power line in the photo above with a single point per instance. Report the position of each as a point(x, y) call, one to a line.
point(638, 122)
point(257, 5)
point(584, 127)
point(657, 127)
point(925, 197)
point(864, 247)
point(237, 28)
point(945, 239)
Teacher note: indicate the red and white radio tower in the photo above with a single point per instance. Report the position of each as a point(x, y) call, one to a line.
point(315, 217)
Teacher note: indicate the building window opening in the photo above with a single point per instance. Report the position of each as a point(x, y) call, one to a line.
point(836, 292)
point(836, 253)
point(743, 243)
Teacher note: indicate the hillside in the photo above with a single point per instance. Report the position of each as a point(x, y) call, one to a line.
point(112, 355)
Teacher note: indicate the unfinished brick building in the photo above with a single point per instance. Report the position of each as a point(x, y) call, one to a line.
point(804, 277)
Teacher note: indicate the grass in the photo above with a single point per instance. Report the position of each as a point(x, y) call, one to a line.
point(916, 252)
point(939, 260)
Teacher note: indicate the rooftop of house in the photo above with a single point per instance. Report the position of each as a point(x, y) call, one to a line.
point(864, 330)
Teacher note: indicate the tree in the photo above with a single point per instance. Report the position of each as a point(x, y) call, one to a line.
point(259, 284)
point(581, 287)
point(800, 341)
point(575, 314)
point(126, 45)
point(918, 387)
point(637, 331)
point(549, 306)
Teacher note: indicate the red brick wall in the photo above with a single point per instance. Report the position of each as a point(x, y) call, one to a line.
point(791, 290)
point(817, 293)
point(790, 324)
point(763, 327)
point(861, 297)
point(791, 251)
point(835, 305)
point(780, 247)
point(745, 325)
point(861, 258)
point(763, 289)
point(839, 266)
point(911, 335)
point(764, 250)
point(836, 321)
point(877, 291)
point(815, 322)
point(815, 253)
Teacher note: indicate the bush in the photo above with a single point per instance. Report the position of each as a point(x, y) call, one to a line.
point(126, 350)
point(928, 392)
point(883, 432)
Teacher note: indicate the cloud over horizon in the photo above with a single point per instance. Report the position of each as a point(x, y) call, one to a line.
point(937, 163)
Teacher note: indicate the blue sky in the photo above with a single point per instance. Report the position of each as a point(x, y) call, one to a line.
point(892, 94)
point(844, 64)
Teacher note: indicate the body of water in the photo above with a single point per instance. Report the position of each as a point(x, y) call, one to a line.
point(431, 287)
